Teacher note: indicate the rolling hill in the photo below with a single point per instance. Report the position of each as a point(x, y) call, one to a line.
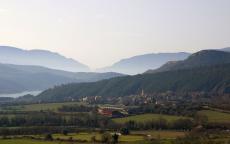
point(141, 63)
point(19, 78)
point(199, 59)
point(206, 71)
point(227, 49)
point(12, 55)
point(211, 79)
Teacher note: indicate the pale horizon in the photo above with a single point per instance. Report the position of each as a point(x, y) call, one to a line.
point(100, 33)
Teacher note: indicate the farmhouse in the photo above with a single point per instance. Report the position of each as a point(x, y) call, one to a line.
point(112, 111)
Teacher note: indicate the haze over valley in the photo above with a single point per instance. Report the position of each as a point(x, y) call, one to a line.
point(115, 72)
point(25, 71)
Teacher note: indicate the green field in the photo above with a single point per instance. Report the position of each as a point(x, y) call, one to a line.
point(27, 141)
point(7, 115)
point(39, 107)
point(88, 136)
point(164, 134)
point(147, 117)
point(134, 136)
point(78, 136)
point(215, 116)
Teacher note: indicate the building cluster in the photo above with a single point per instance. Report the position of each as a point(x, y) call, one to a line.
point(92, 99)
point(138, 99)
point(114, 112)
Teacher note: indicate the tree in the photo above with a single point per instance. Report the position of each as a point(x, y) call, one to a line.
point(125, 131)
point(5, 132)
point(115, 138)
point(93, 139)
point(106, 138)
point(65, 132)
point(49, 137)
point(201, 119)
point(183, 124)
point(4, 121)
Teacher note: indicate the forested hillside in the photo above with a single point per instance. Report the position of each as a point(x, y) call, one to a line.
point(203, 79)
point(19, 78)
point(198, 59)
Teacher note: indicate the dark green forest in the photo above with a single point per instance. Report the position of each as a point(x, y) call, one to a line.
point(210, 79)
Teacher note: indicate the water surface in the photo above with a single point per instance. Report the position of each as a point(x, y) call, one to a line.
point(15, 95)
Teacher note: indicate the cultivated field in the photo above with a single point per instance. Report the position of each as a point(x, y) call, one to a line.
point(40, 107)
point(215, 116)
point(27, 141)
point(148, 117)
point(88, 136)
point(164, 134)
point(134, 137)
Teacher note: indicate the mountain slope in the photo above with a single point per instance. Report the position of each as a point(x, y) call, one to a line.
point(19, 78)
point(44, 58)
point(201, 58)
point(214, 79)
point(141, 63)
point(227, 49)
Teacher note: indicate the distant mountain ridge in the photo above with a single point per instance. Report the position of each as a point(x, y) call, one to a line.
point(133, 65)
point(141, 63)
point(13, 55)
point(227, 49)
point(19, 78)
point(199, 59)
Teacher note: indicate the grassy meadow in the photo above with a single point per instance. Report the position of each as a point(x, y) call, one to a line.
point(27, 141)
point(41, 107)
point(87, 137)
point(164, 134)
point(147, 117)
point(216, 116)
point(134, 137)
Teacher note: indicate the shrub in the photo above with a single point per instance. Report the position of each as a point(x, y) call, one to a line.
point(106, 138)
point(65, 132)
point(49, 137)
point(125, 131)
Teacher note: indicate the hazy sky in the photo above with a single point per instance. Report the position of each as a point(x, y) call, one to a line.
point(100, 32)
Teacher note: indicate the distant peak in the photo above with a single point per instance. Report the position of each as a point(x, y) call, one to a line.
point(39, 57)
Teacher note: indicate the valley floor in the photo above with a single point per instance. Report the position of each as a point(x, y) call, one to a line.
point(143, 136)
